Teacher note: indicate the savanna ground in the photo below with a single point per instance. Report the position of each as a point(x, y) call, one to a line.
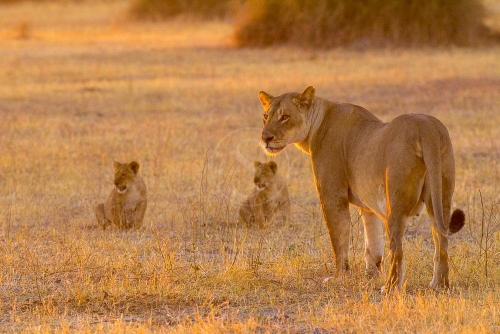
point(81, 86)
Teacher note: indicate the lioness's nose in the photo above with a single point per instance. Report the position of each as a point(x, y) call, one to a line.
point(267, 137)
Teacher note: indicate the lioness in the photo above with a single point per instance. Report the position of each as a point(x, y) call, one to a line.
point(387, 170)
point(126, 204)
point(269, 200)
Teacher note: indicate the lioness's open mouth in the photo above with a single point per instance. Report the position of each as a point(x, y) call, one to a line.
point(275, 150)
point(121, 190)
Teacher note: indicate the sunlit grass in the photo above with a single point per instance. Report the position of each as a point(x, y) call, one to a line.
point(184, 104)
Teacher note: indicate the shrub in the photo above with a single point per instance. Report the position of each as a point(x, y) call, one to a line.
point(164, 9)
point(330, 23)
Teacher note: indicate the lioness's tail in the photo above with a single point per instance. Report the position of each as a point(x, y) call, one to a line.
point(435, 155)
point(457, 221)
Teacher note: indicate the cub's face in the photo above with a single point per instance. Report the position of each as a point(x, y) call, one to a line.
point(264, 174)
point(284, 119)
point(124, 175)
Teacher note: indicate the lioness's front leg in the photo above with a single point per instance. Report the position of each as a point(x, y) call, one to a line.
point(374, 242)
point(333, 195)
point(338, 221)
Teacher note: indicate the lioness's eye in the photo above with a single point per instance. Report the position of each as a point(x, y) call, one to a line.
point(284, 118)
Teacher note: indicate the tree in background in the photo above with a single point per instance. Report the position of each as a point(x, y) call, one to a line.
point(330, 23)
point(333, 23)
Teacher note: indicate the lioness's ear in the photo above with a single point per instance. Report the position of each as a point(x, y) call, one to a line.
point(134, 166)
point(256, 164)
point(306, 99)
point(116, 165)
point(273, 166)
point(265, 100)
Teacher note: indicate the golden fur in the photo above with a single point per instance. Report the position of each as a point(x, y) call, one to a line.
point(387, 170)
point(126, 204)
point(269, 200)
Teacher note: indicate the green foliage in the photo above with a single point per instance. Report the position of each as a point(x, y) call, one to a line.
point(330, 23)
point(163, 9)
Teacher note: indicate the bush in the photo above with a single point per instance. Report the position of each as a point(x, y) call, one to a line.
point(164, 9)
point(330, 23)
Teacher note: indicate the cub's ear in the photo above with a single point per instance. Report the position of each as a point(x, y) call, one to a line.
point(265, 100)
point(273, 166)
point(306, 99)
point(116, 165)
point(134, 166)
point(256, 164)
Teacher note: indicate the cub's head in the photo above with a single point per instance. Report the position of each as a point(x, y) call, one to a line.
point(264, 174)
point(124, 175)
point(285, 119)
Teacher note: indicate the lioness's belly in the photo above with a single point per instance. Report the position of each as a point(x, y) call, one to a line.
point(375, 203)
point(376, 200)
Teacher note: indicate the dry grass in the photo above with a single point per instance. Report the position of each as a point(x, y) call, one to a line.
point(86, 89)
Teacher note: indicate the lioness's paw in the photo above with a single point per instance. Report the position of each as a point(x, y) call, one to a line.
point(439, 284)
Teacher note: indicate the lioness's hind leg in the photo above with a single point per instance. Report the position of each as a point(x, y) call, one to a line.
point(403, 193)
point(441, 269)
point(100, 216)
point(374, 242)
point(396, 226)
point(440, 277)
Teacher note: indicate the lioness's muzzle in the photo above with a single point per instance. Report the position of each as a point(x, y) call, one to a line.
point(266, 137)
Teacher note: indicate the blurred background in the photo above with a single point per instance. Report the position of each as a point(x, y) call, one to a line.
point(306, 23)
point(173, 85)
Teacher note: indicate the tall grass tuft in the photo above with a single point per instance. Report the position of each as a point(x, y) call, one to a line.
point(331, 23)
point(164, 9)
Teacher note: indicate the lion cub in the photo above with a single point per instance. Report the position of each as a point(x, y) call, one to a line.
point(269, 200)
point(126, 204)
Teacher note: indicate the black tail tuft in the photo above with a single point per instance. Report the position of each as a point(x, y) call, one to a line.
point(457, 221)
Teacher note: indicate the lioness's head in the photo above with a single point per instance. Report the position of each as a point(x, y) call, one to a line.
point(124, 175)
point(264, 174)
point(284, 119)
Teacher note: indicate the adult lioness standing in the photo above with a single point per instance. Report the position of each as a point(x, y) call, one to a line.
point(388, 170)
